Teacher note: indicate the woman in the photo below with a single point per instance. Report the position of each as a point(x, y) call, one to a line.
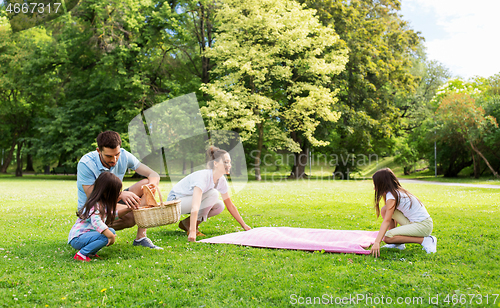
point(199, 197)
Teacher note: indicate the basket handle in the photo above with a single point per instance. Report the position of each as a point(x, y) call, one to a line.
point(159, 194)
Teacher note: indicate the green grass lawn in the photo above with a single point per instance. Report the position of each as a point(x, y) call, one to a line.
point(37, 269)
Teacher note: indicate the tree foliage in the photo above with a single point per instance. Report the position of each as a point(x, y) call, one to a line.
point(415, 107)
point(381, 48)
point(275, 62)
point(464, 124)
point(269, 70)
point(459, 119)
point(24, 90)
point(104, 63)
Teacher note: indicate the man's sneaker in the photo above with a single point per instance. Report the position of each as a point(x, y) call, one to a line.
point(145, 242)
point(81, 257)
point(429, 244)
point(398, 246)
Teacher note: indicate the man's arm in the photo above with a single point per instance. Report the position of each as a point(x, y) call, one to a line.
point(88, 189)
point(131, 197)
point(152, 176)
point(85, 176)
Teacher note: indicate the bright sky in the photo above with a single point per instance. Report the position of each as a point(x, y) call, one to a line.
point(461, 34)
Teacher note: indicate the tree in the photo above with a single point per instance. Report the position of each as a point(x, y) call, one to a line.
point(103, 67)
point(491, 105)
point(407, 156)
point(23, 91)
point(459, 118)
point(181, 31)
point(115, 60)
point(415, 108)
point(381, 48)
point(274, 67)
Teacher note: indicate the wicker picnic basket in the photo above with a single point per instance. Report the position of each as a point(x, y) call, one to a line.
point(156, 214)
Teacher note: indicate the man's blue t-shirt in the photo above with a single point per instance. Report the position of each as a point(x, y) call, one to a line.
point(90, 167)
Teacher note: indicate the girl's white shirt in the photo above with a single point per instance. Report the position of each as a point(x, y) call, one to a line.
point(415, 213)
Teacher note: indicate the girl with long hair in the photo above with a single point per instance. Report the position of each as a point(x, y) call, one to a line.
point(401, 207)
point(90, 233)
point(199, 193)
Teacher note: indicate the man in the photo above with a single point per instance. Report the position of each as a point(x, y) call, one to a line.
point(110, 157)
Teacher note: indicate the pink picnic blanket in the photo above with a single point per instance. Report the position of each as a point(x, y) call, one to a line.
point(341, 241)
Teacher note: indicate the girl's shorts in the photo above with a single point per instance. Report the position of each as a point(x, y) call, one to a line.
point(417, 229)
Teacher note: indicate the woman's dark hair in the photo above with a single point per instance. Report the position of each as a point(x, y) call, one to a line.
point(214, 154)
point(103, 197)
point(385, 180)
point(108, 139)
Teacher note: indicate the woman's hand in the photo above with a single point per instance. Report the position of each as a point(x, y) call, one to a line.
point(375, 251)
point(234, 211)
point(192, 236)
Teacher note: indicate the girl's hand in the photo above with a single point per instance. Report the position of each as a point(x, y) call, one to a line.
point(375, 251)
point(111, 240)
point(246, 227)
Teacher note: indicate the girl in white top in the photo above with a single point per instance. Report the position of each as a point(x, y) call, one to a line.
point(401, 207)
point(199, 197)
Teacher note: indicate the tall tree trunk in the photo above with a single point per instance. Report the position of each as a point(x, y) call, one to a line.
point(19, 169)
point(475, 163)
point(62, 159)
point(299, 168)
point(8, 159)
point(407, 170)
point(205, 38)
point(260, 143)
point(485, 160)
point(29, 163)
point(300, 161)
point(343, 172)
point(29, 160)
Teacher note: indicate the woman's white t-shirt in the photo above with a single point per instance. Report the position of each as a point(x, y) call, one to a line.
point(204, 179)
point(415, 213)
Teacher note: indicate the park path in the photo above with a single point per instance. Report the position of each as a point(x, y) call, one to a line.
point(448, 184)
